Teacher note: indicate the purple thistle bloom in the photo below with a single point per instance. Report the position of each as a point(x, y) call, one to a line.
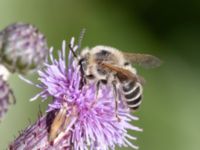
point(92, 127)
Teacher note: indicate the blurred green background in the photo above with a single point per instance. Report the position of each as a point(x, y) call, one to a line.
point(168, 29)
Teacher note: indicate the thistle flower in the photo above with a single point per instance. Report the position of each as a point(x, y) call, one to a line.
point(92, 127)
point(22, 47)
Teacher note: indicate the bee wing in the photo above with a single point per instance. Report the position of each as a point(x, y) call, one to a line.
point(145, 60)
point(122, 74)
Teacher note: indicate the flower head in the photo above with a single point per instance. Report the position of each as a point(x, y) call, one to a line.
point(22, 47)
point(89, 126)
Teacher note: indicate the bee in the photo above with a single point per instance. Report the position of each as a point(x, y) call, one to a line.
point(107, 65)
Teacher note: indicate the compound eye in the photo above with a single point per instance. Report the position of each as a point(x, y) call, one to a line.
point(90, 76)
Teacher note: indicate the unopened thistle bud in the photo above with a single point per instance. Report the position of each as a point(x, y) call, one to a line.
point(22, 47)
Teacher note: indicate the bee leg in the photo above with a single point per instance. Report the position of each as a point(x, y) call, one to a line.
point(116, 100)
point(97, 93)
point(97, 90)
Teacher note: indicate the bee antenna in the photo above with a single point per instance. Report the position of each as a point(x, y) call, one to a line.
point(81, 37)
point(79, 43)
point(72, 50)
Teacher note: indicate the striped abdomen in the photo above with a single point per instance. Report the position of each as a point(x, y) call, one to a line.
point(132, 91)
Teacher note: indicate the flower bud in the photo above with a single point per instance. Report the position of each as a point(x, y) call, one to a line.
point(22, 48)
